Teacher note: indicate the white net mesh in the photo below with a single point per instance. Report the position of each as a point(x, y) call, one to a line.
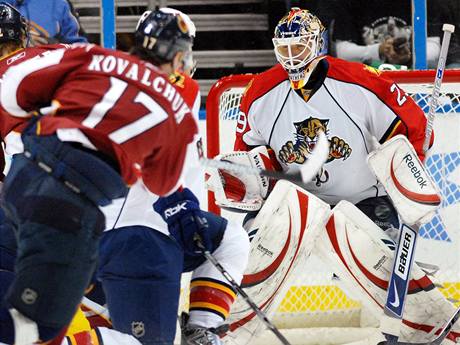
point(315, 297)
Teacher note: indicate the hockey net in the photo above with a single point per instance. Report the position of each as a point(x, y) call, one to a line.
point(316, 297)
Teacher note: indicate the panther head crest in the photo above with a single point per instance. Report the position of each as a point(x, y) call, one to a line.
point(307, 130)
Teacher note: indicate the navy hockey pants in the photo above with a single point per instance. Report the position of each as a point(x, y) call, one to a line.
point(7, 258)
point(140, 270)
point(51, 196)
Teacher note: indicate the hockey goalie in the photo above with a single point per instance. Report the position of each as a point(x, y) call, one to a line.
point(284, 109)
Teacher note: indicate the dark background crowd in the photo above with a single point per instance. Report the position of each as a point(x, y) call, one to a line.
point(235, 36)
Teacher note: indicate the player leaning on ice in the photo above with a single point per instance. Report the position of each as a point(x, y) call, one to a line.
point(282, 112)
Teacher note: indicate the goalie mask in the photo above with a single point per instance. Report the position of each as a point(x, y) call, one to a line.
point(299, 39)
point(159, 36)
point(13, 26)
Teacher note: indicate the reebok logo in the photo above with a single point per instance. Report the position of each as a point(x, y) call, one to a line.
point(265, 250)
point(416, 171)
point(176, 209)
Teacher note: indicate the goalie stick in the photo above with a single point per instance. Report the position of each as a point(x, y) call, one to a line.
point(448, 30)
point(240, 291)
point(440, 338)
point(399, 283)
point(305, 174)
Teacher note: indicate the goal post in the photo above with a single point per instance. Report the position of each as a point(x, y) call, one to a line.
point(317, 299)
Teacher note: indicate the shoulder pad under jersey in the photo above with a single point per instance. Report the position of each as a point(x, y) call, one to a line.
point(261, 84)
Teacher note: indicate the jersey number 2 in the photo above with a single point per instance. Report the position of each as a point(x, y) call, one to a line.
point(401, 99)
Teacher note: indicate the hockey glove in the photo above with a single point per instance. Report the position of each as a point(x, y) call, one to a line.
point(186, 223)
point(242, 191)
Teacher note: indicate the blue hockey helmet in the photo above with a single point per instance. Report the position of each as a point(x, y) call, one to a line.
point(159, 36)
point(299, 38)
point(13, 26)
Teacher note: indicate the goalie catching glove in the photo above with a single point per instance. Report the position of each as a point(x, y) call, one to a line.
point(242, 191)
point(186, 222)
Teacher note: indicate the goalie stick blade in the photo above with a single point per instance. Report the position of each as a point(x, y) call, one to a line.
point(439, 339)
point(306, 173)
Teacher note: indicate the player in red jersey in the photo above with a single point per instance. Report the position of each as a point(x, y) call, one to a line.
point(13, 51)
point(107, 118)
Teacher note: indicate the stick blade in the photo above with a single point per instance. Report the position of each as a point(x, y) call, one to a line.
point(316, 159)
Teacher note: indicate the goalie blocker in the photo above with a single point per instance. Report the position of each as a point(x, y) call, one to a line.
point(403, 175)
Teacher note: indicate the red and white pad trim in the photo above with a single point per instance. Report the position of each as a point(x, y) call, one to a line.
point(287, 228)
point(398, 168)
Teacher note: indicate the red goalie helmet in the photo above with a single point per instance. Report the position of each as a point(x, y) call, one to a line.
point(299, 39)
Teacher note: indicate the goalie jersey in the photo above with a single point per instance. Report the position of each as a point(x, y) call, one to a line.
point(350, 102)
point(131, 112)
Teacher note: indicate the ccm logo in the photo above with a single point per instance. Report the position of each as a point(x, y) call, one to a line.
point(416, 171)
point(405, 252)
point(174, 210)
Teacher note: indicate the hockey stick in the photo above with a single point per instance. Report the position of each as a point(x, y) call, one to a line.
point(448, 30)
point(207, 254)
point(440, 338)
point(404, 255)
point(305, 174)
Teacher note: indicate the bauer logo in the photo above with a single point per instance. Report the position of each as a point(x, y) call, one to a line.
point(405, 252)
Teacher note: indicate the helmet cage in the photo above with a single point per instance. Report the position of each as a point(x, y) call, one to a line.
point(298, 40)
point(293, 53)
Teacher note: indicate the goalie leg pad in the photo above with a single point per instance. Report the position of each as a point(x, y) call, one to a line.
point(286, 229)
point(360, 253)
point(100, 336)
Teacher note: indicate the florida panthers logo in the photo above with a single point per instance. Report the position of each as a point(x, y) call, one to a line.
point(306, 137)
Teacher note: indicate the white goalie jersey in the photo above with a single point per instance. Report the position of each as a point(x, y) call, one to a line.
point(352, 103)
